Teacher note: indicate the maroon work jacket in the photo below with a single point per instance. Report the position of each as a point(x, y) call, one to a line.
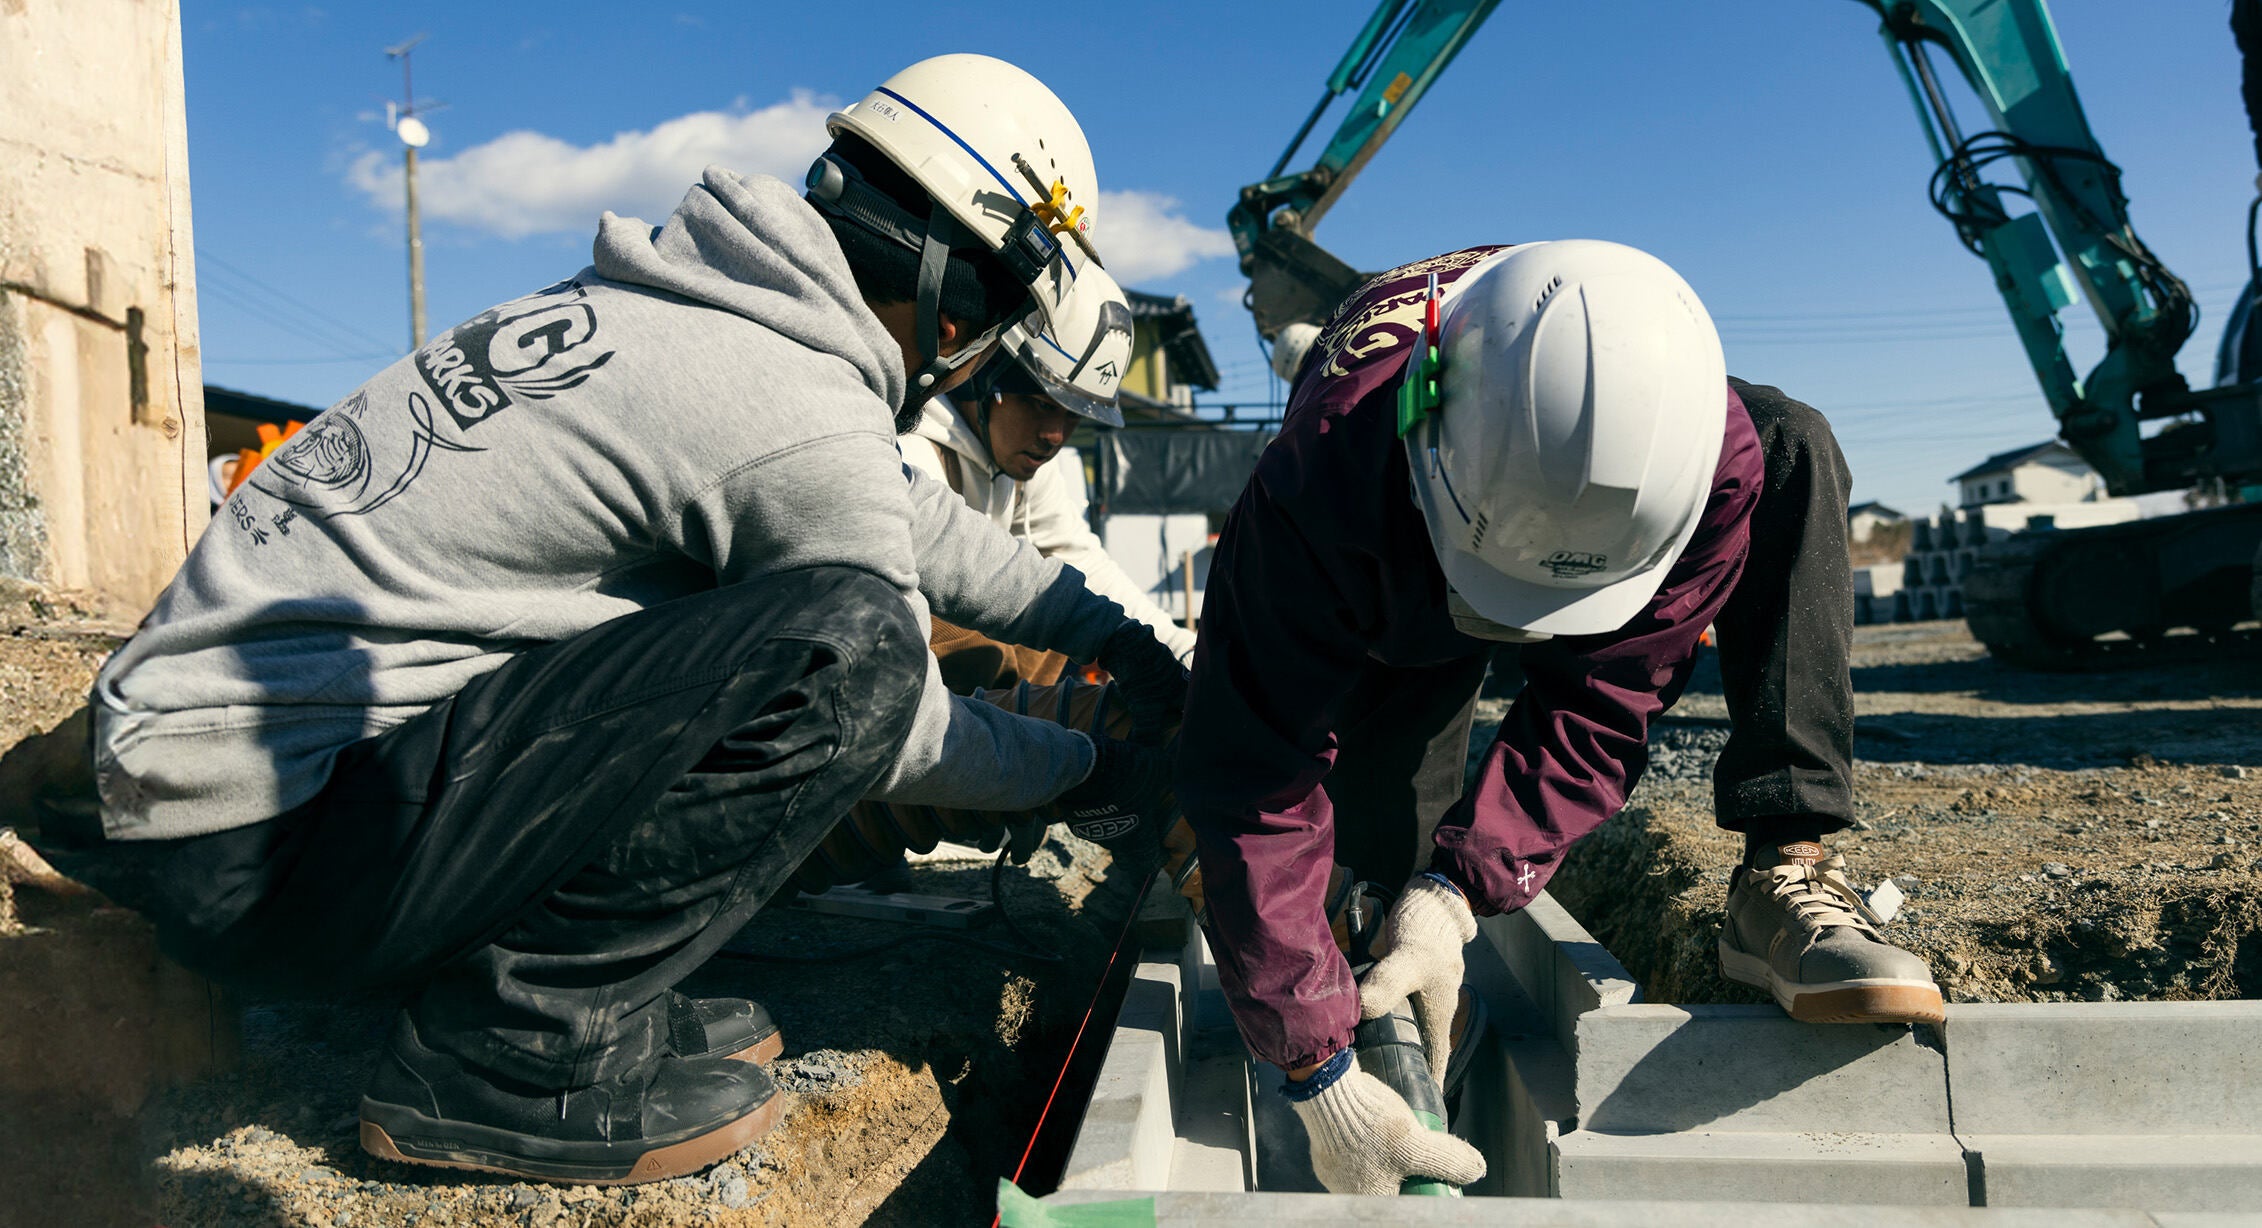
point(1325, 566)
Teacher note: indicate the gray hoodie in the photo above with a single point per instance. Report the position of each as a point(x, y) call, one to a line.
point(709, 403)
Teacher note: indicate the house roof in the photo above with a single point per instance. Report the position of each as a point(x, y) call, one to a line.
point(2004, 462)
point(1874, 508)
point(1180, 336)
point(218, 400)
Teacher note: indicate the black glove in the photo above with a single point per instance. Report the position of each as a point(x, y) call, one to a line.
point(1123, 805)
point(1150, 679)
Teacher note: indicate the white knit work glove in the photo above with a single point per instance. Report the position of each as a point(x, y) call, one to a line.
point(1366, 1141)
point(1422, 941)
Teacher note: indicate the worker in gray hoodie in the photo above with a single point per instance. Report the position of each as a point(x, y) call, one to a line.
point(522, 677)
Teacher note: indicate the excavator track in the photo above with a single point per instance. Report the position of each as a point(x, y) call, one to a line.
point(2143, 593)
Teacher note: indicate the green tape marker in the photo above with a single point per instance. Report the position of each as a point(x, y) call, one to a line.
point(1017, 1210)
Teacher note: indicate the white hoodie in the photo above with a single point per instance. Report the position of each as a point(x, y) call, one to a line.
point(1048, 512)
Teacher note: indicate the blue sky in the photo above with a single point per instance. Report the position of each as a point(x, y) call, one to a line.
point(1764, 147)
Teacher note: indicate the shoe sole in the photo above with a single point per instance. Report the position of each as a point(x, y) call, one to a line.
point(1872, 1000)
point(762, 1052)
point(409, 1137)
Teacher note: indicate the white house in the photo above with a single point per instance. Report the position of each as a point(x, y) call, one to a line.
point(2048, 472)
point(1863, 519)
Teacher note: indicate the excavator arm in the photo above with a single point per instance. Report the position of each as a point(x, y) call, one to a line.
point(1401, 50)
point(2076, 239)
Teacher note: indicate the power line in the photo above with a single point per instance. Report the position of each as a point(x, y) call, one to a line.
point(277, 319)
point(311, 313)
point(349, 360)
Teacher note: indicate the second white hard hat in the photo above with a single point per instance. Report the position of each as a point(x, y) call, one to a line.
point(1583, 398)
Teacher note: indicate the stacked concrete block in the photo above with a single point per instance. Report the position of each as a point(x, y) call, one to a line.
point(1943, 550)
point(1874, 590)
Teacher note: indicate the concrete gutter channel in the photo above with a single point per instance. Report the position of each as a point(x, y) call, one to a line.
point(1634, 1113)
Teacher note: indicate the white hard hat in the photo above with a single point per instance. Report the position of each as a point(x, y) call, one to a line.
point(1000, 155)
point(1078, 362)
point(1581, 401)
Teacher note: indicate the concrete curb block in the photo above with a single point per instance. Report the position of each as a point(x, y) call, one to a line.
point(1584, 1094)
point(1129, 1133)
point(1181, 1209)
point(1170, 1108)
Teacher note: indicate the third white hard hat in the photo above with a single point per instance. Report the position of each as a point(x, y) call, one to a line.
point(1583, 401)
point(1078, 362)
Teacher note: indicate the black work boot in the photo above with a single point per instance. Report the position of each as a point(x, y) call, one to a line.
point(667, 1118)
point(722, 1027)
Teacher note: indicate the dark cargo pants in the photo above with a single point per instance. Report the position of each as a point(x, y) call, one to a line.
point(536, 861)
point(1785, 644)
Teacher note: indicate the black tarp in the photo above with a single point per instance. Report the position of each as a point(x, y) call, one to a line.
point(1167, 471)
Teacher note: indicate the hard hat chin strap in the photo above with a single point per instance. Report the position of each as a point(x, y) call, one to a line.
point(934, 263)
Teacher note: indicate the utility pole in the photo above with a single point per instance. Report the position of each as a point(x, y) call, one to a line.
point(413, 136)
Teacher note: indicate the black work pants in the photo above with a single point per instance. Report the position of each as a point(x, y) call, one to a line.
point(1785, 644)
point(538, 860)
point(1787, 632)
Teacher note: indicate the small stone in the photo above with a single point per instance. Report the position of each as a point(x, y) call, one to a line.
point(2057, 869)
point(2152, 823)
point(2027, 878)
point(2224, 861)
point(344, 1219)
point(2231, 771)
point(1906, 882)
point(260, 1134)
point(316, 1175)
point(522, 1198)
point(2104, 991)
point(1859, 825)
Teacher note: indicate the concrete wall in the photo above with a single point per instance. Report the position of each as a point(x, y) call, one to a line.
point(101, 395)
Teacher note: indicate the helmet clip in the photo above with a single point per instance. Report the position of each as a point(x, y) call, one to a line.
point(1418, 395)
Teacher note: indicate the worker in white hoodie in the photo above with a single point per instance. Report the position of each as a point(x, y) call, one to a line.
point(994, 440)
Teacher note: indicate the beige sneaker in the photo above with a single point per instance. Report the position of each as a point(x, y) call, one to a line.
point(1800, 931)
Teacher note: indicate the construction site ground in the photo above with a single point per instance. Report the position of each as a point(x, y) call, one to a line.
point(917, 1074)
point(2059, 837)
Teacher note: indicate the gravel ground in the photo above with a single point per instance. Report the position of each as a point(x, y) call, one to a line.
point(2059, 837)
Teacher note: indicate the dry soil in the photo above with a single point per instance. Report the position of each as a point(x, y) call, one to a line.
point(2060, 837)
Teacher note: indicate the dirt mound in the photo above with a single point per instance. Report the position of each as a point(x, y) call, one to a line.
point(2058, 838)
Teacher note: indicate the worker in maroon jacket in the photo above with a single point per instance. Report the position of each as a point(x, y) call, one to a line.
point(1538, 446)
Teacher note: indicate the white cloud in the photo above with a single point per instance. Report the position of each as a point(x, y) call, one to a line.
point(523, 183)
point(1143, 237)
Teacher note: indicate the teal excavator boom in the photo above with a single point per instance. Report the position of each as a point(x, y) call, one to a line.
point(1398, 53)
point(2038, 600)
point(2008, 52)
